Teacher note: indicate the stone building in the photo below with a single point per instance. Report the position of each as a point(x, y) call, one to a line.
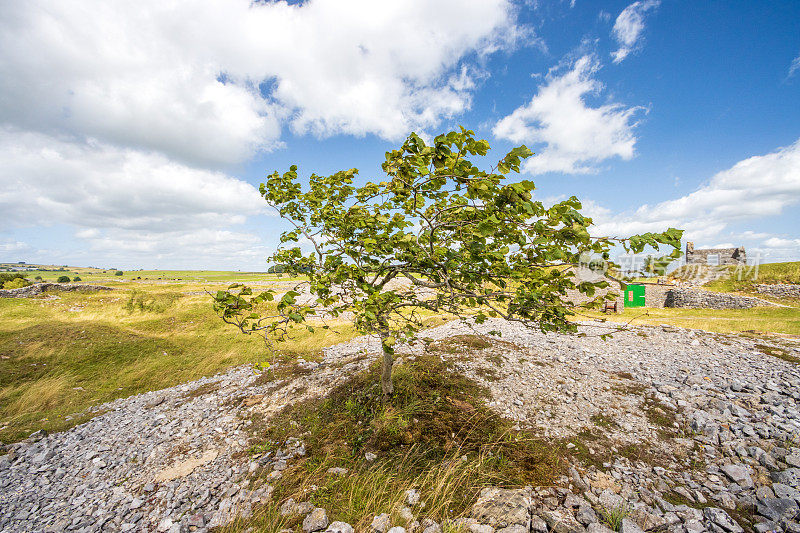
point(715, 256)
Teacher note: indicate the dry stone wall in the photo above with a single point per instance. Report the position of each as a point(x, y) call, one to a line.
point(779, 290)
point(38, 288)
point(699, 299)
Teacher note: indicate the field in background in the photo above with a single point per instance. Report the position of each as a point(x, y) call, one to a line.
point(59, 356)
point(63, 354)
point(767, 273)
point(785, 320)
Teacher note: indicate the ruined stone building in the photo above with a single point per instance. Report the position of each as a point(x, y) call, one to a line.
point(715, 256)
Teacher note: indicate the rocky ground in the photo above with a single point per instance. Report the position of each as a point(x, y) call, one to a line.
point(671, 429)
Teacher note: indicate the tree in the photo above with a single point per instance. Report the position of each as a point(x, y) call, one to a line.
point(62, 279)
point(118, 273)
point(76, 278)
point(438, 235)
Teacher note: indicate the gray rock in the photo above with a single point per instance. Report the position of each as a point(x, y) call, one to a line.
point(575, 477)
point(785, 491)
point(597, 527)
point(36, 436)
point(777, 509)
point(790, 476)
point(516, 528)
point(430, 526)
point(412, 497)
point(586, 515)
point(538, 525)
point(317, 520)
point(722, 519)
point(502, 507)
point(197, 520)
point(694, 526)
point(739, 474)
point(397, 529)
point(560, 521)
point(339, 527)
point(381, 523)
point(629, 526)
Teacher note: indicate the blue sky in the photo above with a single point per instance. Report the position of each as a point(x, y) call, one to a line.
point(134, 135)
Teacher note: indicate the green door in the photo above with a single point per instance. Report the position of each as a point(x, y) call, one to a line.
point(634, 295)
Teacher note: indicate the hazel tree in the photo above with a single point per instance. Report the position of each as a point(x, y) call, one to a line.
point(438, 236)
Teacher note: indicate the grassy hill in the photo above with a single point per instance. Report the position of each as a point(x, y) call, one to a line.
point(743, 280)
point(61, 354)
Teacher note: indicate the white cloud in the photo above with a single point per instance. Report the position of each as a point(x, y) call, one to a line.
point(180, 249)
point(213, 81)
point(629, 26)
point(754, 188)
point(575, 136)
point(778, 242)
point(47, 180)
point(794, 66)
point(10, 247)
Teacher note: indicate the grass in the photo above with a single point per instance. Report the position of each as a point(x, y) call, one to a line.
point(744, 279)
point(436, 435)
point(778, 352)
point(98, 275)
point(614, 516)
point(60, 356)
point(782, 320)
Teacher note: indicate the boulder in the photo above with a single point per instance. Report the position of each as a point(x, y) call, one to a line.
point(501, 508)
point(317, 520)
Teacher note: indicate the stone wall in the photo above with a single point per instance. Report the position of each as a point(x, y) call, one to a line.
point(727, 256)
point(656, 295)
point(698, 299)
point(779, 290)
point(38, 288)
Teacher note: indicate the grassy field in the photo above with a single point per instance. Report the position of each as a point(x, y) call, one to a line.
point(60, 356)
point(784, 320)
point(186, 276)
point(766, 273)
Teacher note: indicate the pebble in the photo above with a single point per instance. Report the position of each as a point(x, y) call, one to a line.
point(154, 462)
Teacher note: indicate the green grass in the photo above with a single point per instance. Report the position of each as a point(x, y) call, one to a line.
point(766, 274)
point(107, 276)
point(782, 320)
point(436, 435)
point(60, 356)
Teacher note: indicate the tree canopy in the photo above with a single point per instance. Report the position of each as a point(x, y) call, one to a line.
point(438, 235)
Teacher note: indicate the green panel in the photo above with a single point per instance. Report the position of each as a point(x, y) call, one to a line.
point(634, 296)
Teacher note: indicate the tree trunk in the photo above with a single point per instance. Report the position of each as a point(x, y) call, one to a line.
point(386, 373)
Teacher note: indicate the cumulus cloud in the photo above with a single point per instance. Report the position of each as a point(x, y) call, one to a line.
point(11, 247)
point(48, 180)
point(214, 81)
point(754, 188)
point(778, 242)
point(629, 26)
point(567, 134)
point(178, 249)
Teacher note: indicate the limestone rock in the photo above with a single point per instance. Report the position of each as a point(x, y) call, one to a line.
point(317, 520)
point(503, 507)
